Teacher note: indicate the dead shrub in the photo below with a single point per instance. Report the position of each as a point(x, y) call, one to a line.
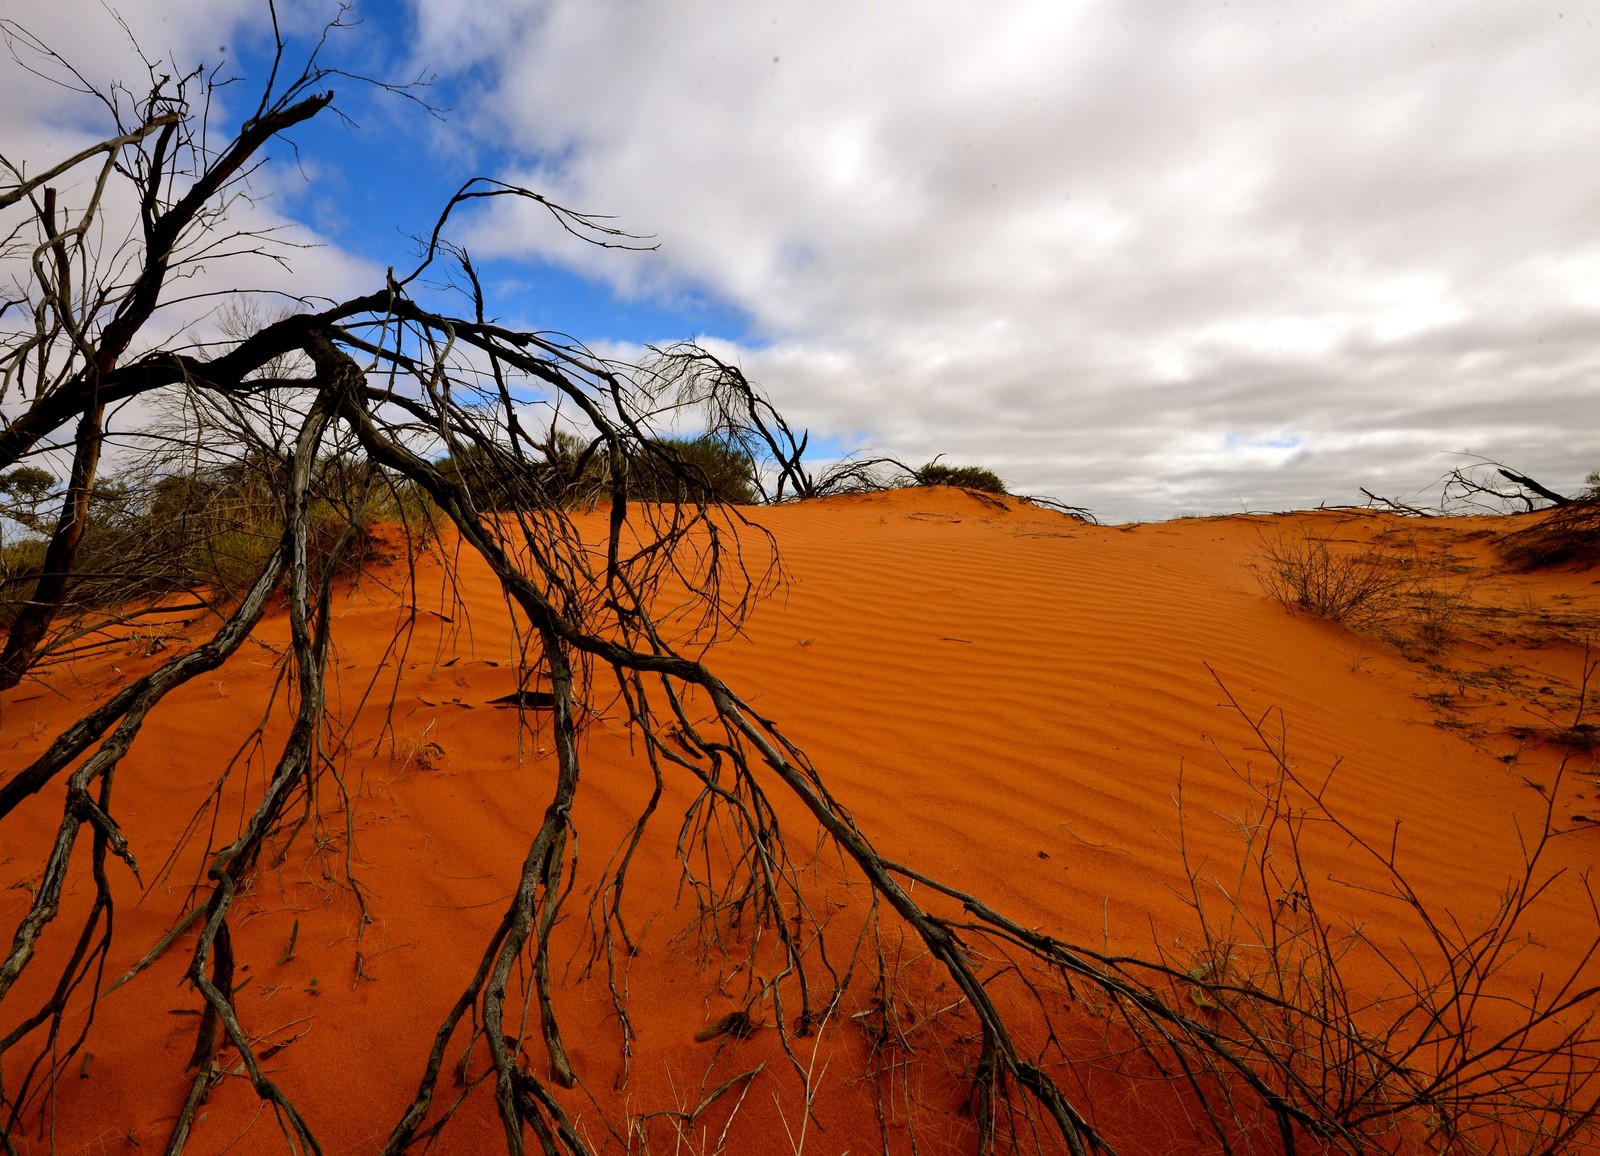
point(1422, 1033)
point(1568, 536)
point(1358, 589)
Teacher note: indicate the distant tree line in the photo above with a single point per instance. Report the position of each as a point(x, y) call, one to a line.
point(207, 526)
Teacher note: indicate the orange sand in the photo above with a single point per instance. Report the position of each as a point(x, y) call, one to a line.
point(1003, 697)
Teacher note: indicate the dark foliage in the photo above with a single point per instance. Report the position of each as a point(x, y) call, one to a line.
point(1568, 535)
point(977, 478)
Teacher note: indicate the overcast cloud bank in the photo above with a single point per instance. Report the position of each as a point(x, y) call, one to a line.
point(1151, 258)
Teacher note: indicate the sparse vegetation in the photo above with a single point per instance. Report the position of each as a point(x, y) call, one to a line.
point(1416, 602)
point(1412, 1030)
point(206, 532)
point(565, 470)
point(1357, 588)
point(1568, 535)
point(935, 473)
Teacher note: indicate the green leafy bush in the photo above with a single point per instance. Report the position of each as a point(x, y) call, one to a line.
point(697, 469)
point(570, 472)
point(967, 477)
point(25, 489)
point(209, 529)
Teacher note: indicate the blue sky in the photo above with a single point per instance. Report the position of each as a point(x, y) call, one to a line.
point(376, 187)
point(1157, 258)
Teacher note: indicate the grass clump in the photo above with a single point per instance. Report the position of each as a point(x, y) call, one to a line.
point(1419, 603)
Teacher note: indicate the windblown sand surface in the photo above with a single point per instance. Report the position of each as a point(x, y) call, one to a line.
point(1007, 699)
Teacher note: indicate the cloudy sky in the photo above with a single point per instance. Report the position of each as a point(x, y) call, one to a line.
point(1150, 256)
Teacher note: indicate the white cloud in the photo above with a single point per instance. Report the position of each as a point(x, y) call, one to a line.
point(1123, 253)
point(51, 116)
point(1076, 241)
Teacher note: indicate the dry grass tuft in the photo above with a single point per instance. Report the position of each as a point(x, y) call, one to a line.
point(1359, 589)
point(1419, 603)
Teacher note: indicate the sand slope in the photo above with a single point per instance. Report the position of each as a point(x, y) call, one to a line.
point(1006, 698)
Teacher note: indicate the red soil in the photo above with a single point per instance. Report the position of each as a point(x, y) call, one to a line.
point(1004, 698)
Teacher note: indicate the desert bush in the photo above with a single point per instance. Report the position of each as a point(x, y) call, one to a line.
point(566, 471)
point(694, 469)
point(25, 489)
point(208, 532)
point(122, 557)
point(220, 525)
point(1355, 588)
point(22, 491)
point(20, 563)
point(500, 479)
point(1565, 536)
point(936, 473)
point(1417, 603)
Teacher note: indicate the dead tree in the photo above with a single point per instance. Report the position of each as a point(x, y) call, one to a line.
point(1528, 483)
point(1473, 486)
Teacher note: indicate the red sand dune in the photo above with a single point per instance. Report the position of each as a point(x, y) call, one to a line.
point(1004, 698)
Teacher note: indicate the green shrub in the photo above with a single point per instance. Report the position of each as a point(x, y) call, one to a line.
point(670, 469)
point(498, 481)
point(210, 528)
point(20, 564)
point(698, 469)
point(966, 477)
point(219, 526)
point(26, 489)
